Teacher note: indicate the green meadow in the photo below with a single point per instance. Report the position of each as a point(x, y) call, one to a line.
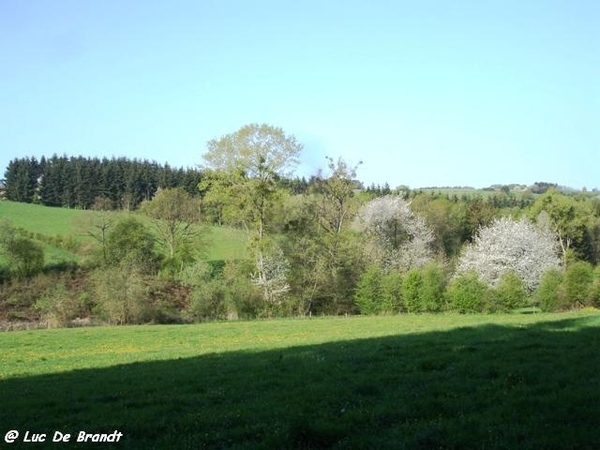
point(393, 382)
point(221, 242)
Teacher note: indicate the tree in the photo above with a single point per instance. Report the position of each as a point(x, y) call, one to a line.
point(447, 219)
point(510, 293)
point(466, 293)
point(98, 222)
point(568, 217)
point(578, 282)
point(25, 255)
point(174, 213)
point(325, 256)
point(21, 180)
point(507, 244)
point(550, 295)
point(399, 238)
point(130, 243)
point(254, 158)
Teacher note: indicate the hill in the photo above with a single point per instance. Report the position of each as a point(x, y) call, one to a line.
point(61, 223)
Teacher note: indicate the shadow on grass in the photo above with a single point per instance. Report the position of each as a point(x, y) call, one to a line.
point(488, 387)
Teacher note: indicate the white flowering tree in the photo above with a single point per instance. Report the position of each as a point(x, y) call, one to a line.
point(398, 237)
point(271, 276)
point(511, 245)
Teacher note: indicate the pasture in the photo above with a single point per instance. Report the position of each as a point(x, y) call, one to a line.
point(411, 381)
point(60, 223)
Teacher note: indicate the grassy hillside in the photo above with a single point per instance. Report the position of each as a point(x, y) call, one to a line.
point(505, 381)
point(225, 243)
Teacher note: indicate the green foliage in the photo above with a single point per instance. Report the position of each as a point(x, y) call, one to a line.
point(369, 296)
point(412, 284)
point(222, 291)
point(391, 284)
point(447, 219)
point(434, 285)
point(466, 293)
point(247, 165)
point(570, 218)
point(121, 295)
point(76, 181)
point(550, 293)
point(595, 288)
point(578, 281)
point(509, 294)
point(174, 213)
point(25, 256)
point(423, 289)
point(129, 240)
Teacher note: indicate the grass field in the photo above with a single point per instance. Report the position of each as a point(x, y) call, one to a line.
point(224, 243)
point(414, 382)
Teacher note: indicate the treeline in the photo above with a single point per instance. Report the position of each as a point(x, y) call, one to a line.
point(325, 245)
point(76, 182)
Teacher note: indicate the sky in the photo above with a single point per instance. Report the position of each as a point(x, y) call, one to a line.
point(424, 93)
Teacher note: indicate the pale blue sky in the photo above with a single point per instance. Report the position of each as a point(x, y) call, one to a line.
point(424, 92)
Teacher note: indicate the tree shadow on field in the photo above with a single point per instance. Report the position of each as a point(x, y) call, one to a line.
point(487, 387)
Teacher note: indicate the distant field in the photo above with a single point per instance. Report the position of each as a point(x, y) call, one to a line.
point(411, 381)
point(225, 243)
point(460, 192)
point(470, 192)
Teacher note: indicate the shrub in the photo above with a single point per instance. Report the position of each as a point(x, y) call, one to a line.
point(26, 256)
point(549, 295)
point(208, 301)
point(595, 288)
point(510, 293)
point(121, 295)
point(412, 284)
point(59, 306)
point(467, 293)
point(378, 292)
point(579, 277)
point(369, 291)
point(391, 286)
point(433, 287)
point(129, 240)
point(423, 289)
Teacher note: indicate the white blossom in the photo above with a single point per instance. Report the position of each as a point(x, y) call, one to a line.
point(272, 276)
point(507, 244)
point(399, 238)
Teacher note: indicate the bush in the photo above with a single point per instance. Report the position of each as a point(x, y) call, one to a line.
point(423, 289)
point(378, 292)
point(412, 284)
point(578, 284)
point(391, 284)
point(59, 306)
point(224, 293)
point(595, 288)
point(549, 295)
point(208, 301)
point(130, 240)
point(434, 285)
point(25, 256)
point(369, 291)
point(467, 293)
point(509, 294)
point(244, 298)
point(121, 295)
